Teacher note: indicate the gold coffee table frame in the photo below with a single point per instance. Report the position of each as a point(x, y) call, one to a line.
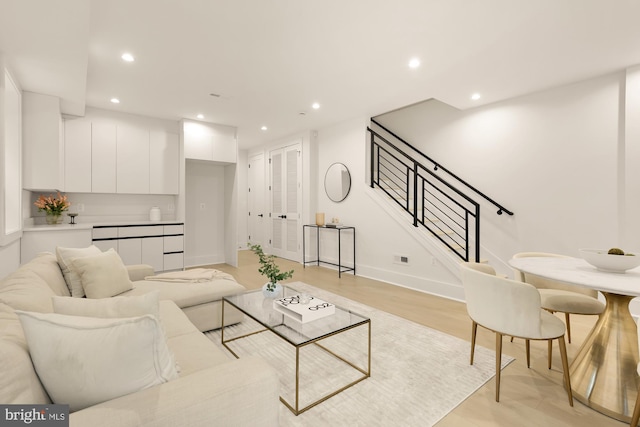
point(295, 407)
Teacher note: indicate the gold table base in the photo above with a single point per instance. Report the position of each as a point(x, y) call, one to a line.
point(604, 372)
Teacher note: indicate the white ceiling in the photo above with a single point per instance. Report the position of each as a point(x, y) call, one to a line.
point(271, 59)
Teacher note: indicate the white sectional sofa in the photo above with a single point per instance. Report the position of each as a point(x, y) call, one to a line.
point(212, 388)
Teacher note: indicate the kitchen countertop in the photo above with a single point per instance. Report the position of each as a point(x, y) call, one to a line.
point(89, 226)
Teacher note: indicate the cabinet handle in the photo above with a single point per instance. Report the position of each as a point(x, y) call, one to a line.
point(282, 216)
point(260, 215)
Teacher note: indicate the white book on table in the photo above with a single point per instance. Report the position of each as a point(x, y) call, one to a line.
point(315, 309)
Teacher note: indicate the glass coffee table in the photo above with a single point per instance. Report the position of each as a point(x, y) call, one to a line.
point(328, 338)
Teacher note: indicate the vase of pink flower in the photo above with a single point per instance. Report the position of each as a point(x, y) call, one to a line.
point(53, 207)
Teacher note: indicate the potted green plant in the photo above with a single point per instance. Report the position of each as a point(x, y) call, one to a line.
point(270, 269)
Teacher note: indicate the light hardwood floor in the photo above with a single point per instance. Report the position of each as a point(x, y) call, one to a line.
point(528, 397)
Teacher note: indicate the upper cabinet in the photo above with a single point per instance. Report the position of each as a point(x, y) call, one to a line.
point(132, 160)
point(164, 171)
point(211, 142)
point(103, 157)
point(77, 156)
point(42, 143)
point(129, 156)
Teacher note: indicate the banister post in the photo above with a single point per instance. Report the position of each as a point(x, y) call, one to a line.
point(415, 193)
point(371, 161)
point(477, 233)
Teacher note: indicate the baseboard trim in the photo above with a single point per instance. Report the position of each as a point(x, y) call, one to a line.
point(203, 260)
point(450, 291)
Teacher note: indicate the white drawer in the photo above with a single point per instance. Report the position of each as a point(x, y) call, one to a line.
point(173, 244)
point(173, 229)
point(140, 231)
point(174, 261)
point(104, 233)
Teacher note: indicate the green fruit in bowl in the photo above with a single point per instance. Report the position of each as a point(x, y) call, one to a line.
point(615, 251)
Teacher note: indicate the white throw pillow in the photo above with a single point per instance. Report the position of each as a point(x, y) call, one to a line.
point(64, 256)
point(83, 361)
point(114, 307)
point(103, 275)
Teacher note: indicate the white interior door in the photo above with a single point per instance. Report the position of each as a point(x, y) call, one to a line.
point(286, 201)
point(257, 212)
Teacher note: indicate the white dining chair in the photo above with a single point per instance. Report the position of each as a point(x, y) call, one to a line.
point(509, 307)
point(562, 297)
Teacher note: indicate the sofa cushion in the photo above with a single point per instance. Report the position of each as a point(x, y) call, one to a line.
point(103, 275)
point(46, 266)
point(82, 361)
point(25, 290)
point(64, 256)
point(19, 383)
point(108, 307)
point(188, 294)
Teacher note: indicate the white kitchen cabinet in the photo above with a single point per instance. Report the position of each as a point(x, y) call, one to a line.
point(132, 164)
point(130, 250)
point(42, 143)
point(164, 163)
point(77, 156)
point(153, 252)
point(206, 141)
point(46, 239)
point(159, 245)
point(174, 261)
point(103, 157)
point(105, 245)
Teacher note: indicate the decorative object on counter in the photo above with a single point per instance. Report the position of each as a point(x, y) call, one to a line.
point(319, 219)
point(154, 214)
point(270, 269)
point(335, 222)
point(53, 207)
point(73, 216)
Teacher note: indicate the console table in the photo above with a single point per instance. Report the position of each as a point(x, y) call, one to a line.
point(338, 229)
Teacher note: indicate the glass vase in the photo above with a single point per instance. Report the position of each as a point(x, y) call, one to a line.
point(53, 219)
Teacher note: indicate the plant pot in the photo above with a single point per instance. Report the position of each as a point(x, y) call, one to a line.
point(271, 290)
point(53, 219)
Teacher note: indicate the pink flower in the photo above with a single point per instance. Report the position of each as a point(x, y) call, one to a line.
point(52, 205)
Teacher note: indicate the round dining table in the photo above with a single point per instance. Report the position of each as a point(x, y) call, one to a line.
point(604, 371)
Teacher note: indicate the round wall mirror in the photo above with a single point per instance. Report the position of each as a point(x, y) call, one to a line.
point(337, 182)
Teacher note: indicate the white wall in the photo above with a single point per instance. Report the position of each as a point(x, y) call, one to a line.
point(378, 238)
point(205, 213)
point(9, 258)
point(551, 157)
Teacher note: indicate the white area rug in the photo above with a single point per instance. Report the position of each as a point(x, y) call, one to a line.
point(418, 375)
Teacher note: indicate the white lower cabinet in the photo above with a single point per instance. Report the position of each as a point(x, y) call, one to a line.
point(130, 251)
point(153, 253)
point(159, 245)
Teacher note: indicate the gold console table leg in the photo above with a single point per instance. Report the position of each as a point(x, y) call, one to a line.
point(604, 372)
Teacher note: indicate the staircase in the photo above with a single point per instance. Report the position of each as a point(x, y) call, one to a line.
point(434, 198)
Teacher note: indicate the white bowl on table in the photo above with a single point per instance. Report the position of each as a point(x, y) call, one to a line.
point(603, 261)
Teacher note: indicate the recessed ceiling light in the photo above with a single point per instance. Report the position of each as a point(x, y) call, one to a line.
point(200, 116)
point(414, 63)
point(127, 57)
point(115, 100)
point(475, 96)
point(315, 106)
point(263, 128)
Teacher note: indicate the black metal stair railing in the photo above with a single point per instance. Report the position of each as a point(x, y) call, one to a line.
point(435, 204)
